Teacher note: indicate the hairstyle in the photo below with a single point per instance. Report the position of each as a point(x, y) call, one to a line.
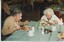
point(15, 12)
point(48, 10)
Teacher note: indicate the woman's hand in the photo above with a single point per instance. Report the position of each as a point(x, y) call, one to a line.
point(17, 27)
point(26, 22)
point(55, 21)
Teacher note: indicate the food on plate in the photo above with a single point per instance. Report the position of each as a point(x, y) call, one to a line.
point(25, 28)
point(61, 36)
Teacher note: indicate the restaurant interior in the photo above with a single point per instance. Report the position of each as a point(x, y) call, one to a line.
point(32, 10)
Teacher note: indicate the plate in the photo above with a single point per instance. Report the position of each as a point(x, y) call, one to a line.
point(25, 28)
point(61, 36)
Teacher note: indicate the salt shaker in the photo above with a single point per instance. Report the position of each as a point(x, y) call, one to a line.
point(33, 28)
point(42, 30)
point(54, 28)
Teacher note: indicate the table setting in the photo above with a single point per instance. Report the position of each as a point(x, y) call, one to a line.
point(38, 32)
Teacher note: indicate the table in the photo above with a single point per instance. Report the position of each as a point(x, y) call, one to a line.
point(21, 35)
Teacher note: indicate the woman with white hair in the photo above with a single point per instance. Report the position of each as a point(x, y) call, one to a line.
point(49, 18)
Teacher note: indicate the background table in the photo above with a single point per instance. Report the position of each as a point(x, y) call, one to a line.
point(21, 35)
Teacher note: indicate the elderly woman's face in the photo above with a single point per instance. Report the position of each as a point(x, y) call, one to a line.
point(18, 17)
point(49, 15)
